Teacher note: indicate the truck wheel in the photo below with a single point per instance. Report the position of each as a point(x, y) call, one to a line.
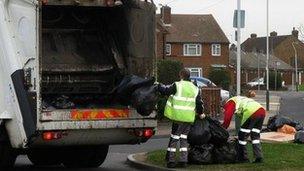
point(7, 154)
point(81, 157)
point(44, 157)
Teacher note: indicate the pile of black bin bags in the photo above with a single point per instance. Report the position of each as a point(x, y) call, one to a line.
point(209, 143)
point(277, 121)
point(137, 92)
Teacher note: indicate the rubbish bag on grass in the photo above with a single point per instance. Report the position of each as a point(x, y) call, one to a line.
point(299, 137)
point(199, 133)
point(225, 154)
point(219, 135)
point(144, 99)
point(201, 154)
point(278, 121)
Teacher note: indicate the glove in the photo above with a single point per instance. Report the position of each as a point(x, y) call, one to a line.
point(202, 116)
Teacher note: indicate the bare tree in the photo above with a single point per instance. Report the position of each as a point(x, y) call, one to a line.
point(301, 32)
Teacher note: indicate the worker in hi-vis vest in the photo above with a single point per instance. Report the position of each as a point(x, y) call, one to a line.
point(183, 104)
point(252, 115)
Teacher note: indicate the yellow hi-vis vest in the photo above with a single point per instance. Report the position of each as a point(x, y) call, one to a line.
point(245, 107)
point(181, 106)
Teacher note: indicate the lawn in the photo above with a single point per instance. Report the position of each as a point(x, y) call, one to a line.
point(301, 87)
point(277, 157)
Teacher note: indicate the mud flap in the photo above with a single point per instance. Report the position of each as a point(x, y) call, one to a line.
point(26, 106)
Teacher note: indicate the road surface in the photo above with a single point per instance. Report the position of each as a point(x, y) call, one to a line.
point(116, 159)
point(292, 105)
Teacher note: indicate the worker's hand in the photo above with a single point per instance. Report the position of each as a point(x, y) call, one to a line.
point(202, 116)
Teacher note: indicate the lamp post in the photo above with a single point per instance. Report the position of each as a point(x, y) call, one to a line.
point(267, 61)
point(238, 61)
point(296, 65)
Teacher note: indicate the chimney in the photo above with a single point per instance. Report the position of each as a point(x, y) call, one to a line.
point(273, 34)
point(295, 33)
point(166, 14)
point(253, 36)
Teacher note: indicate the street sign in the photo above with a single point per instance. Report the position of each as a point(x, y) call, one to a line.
point(242, 19)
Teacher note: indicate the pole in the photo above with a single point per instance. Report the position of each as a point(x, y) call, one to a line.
point(259, 72)
point(238, 72)
point(267, 61)
point(276, 74)
point(296, 66)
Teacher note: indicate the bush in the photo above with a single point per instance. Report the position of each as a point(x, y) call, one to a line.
point(272, 80)
point(168, 71)
point(220, 77)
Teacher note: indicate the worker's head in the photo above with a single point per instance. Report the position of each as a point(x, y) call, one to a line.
point(184, 74)
point(250, 94)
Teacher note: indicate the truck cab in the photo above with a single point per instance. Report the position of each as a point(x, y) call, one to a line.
point(60, 63)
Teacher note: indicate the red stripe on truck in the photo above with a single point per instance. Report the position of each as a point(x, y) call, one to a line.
point(99, 114)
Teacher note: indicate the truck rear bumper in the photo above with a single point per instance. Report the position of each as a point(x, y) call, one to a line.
point(93, 132)
point(91, 137)
point(101, 124)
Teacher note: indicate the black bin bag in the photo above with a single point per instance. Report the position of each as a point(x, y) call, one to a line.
point(278, 121)
point(199, 133)
point(299, 137)
point(144, 99)
point(225, 154)
point(128, 85)
point(201, 154)
point(219, 135)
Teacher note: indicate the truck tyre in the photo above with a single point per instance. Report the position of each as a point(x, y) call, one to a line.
point(84, 157)
point(7, 154)
point(44, 157)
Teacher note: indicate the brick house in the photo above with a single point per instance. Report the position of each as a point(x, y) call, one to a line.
point(195, 40)
point(281, 47)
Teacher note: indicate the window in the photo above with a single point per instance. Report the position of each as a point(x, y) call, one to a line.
point(195, 72)
point(216, 50)
point(168, 49)
point(192, 49)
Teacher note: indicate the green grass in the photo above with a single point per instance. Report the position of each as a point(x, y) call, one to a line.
point(301, 87)
point(276, 157)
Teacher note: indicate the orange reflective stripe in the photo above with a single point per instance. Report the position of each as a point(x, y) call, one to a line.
point(99, 114)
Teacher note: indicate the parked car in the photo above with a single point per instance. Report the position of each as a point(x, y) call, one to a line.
point(205, 82)
point(256, 82)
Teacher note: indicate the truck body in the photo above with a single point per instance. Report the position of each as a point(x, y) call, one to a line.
point(60, 61)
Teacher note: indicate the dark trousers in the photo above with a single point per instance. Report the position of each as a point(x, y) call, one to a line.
point(253, 128)
point(179, 133)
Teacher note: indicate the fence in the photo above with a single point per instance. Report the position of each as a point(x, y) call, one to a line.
point(212, 101)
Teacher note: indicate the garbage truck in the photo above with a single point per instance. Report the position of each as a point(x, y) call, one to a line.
point(60, 63)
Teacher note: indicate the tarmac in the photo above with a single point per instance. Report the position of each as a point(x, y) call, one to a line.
point(164, 130)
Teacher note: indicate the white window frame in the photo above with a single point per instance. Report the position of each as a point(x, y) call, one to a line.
point(216, 49)
point(198, 48)
point(168, 49)
point(196, 69)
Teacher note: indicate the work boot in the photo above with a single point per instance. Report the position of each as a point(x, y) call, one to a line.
point(171, 165)
point(118, 2)
point(258, 160)
point(182, 164)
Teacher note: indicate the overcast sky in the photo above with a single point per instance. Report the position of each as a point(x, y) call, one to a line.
point(284, 14)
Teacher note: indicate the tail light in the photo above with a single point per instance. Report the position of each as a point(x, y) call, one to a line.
point(146, 133)
point(52, 135)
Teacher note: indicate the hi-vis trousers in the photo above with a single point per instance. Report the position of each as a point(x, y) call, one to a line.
point(253, 128)
point(179, 133)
